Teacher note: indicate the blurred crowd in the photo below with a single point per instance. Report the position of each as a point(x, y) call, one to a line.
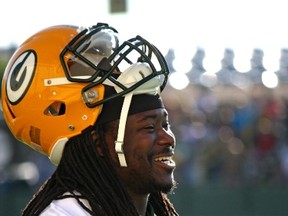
point(230, 137)
point(231, 127)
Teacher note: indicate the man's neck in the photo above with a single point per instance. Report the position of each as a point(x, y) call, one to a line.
point(140, 202)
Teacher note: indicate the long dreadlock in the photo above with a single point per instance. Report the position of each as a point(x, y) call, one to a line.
point(84, 171)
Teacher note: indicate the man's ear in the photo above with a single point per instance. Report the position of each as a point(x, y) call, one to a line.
point(95, 138)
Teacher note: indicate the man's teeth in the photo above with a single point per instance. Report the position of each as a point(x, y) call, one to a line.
point(166, 160)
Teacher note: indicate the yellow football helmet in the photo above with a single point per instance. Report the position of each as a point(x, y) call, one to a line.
point(53, 86)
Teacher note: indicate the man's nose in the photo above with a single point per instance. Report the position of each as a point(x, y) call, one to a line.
point(166, 137)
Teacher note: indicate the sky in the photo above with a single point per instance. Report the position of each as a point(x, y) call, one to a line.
point(183, 25)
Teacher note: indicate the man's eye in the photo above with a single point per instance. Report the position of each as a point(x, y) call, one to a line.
point(150, 127)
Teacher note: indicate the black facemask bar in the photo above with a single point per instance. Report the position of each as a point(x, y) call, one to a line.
point(131, 52)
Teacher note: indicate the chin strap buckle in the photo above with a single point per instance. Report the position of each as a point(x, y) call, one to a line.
point(120, 153)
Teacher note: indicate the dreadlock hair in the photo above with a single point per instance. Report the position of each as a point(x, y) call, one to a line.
point(84, 174)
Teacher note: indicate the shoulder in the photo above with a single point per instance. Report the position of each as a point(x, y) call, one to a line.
point(66, 207)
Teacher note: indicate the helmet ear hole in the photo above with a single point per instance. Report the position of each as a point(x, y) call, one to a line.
point(57, 108)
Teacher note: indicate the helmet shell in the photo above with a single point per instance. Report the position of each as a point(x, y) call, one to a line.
point(39, 113)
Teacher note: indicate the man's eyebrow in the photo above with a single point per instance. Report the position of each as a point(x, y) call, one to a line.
point(151, 116)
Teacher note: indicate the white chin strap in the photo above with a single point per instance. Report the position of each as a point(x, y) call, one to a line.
point(121, 130)
point(129, 77)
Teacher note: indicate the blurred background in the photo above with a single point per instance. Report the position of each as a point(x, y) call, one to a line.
point(227, 97)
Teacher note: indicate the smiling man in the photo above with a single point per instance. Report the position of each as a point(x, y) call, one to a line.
point(92, 104)
point(150, 159)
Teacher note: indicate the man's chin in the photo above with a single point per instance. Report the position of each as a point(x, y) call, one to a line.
point(169, 188)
